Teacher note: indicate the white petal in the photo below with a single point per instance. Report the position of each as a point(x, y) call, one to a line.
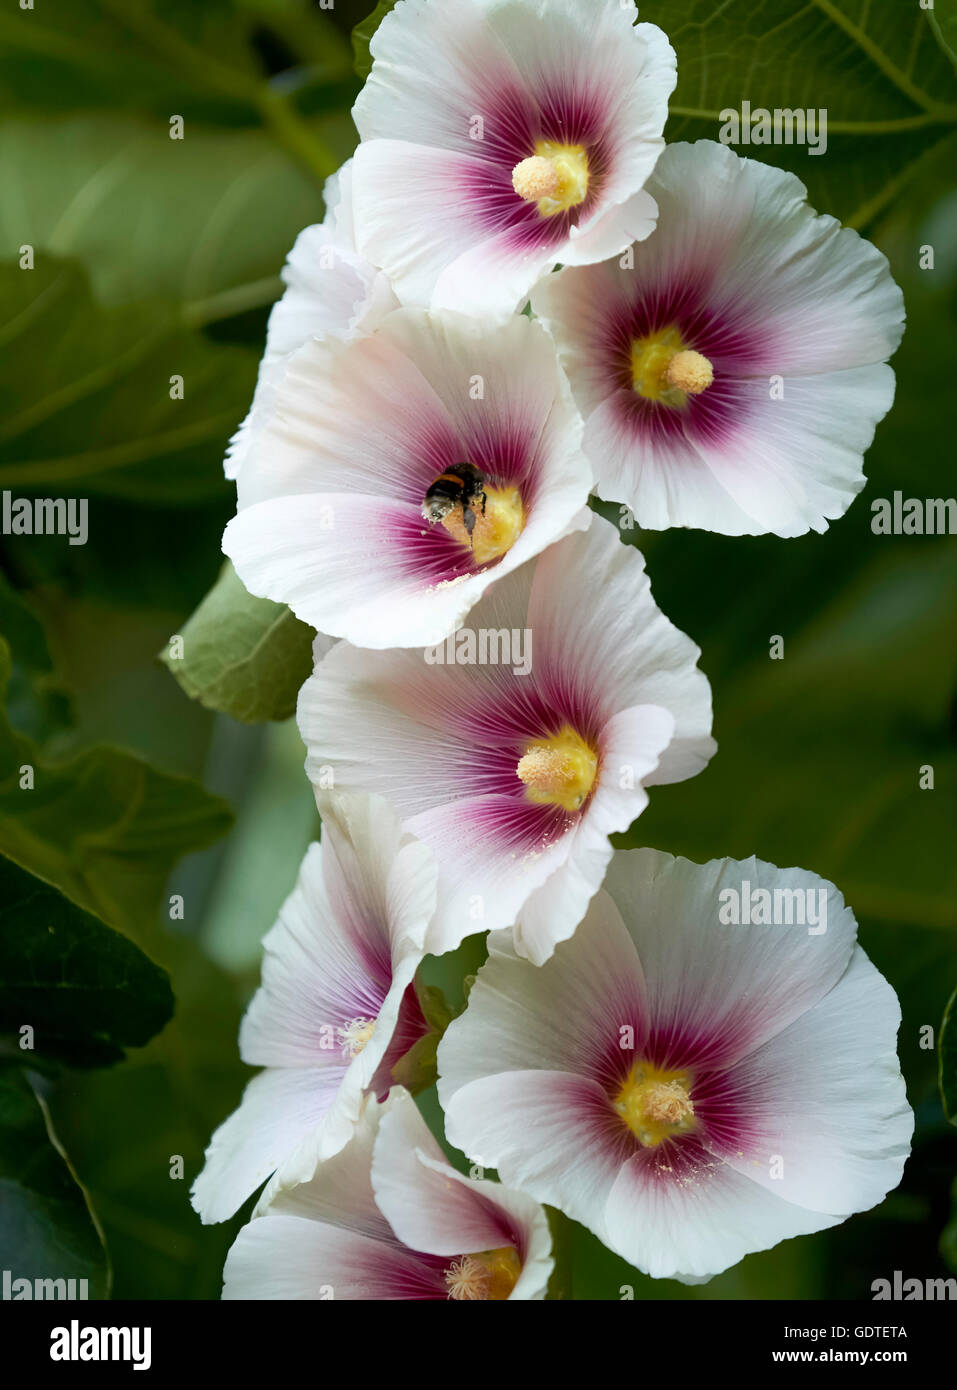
point(278, 1111)
point(331, 291)
point(284, 1257)
point(382, 881)
point(795, 463)
point(433, 61)
point(525, 1124)
point(339, 1193)
point(736, 985)
point(669, 482)
point(550, 1017)
point(633, 743)
point(826, 1098)
point(411, 217)
point(642, 657)
point(699, 1225)
point(433, 1208)
point(328, 557)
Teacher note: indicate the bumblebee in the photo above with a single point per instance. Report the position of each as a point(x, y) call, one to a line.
point(463, 486)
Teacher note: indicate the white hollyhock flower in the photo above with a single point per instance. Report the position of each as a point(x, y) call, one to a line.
point(397, 475)
point(331, 292)
point(688, 1089)
point(732, 369)
point(389, 1218)
point(500, 137)
point(533, 741)
point(336, 1009)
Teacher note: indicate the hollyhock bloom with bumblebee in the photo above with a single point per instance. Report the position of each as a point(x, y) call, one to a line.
point(732, 369)
point(501, 137)
point(397, 475)
point(517, 778)
point(389, 1218)
point(336, 1009)
point(689, 1089)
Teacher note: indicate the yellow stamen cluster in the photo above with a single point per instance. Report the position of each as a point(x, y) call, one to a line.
point(559, 770)
point(663, 369)
point(555, 177)
point(355, 1035)
point(490, 1274)
point(655, 1104)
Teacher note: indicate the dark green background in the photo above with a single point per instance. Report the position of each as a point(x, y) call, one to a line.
point(156, 257)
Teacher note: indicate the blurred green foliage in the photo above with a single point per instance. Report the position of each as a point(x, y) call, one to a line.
point(157, 257)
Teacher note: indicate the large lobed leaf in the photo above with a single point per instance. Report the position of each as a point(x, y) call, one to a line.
point(879, 71)
point(85, 992)
point(105, 827)
point(86, 404)
point(153, 218)
point(204, 60)
point(241, 655)
point(47, 1228)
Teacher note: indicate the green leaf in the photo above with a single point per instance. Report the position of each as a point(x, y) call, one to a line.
point(878, 71)
point(241, 655)
point(47, 1227)
point(417, 1069)
point(362, 37)
point(104, 827)
point(35, 702)
point(943, 21)
point(199, 60)
point(89, 399)
point(820, 753)
point(129, 1125)
point(85, 991)
point(205, 221)
point(947, 1048)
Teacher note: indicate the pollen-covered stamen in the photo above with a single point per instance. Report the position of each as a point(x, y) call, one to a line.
point(690, 371)
point(489, 1274)
point(663, 369)
point(355, 1035)
point(534, 178)
point(655, 1104)
point(555, 177)
point(559, 770)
